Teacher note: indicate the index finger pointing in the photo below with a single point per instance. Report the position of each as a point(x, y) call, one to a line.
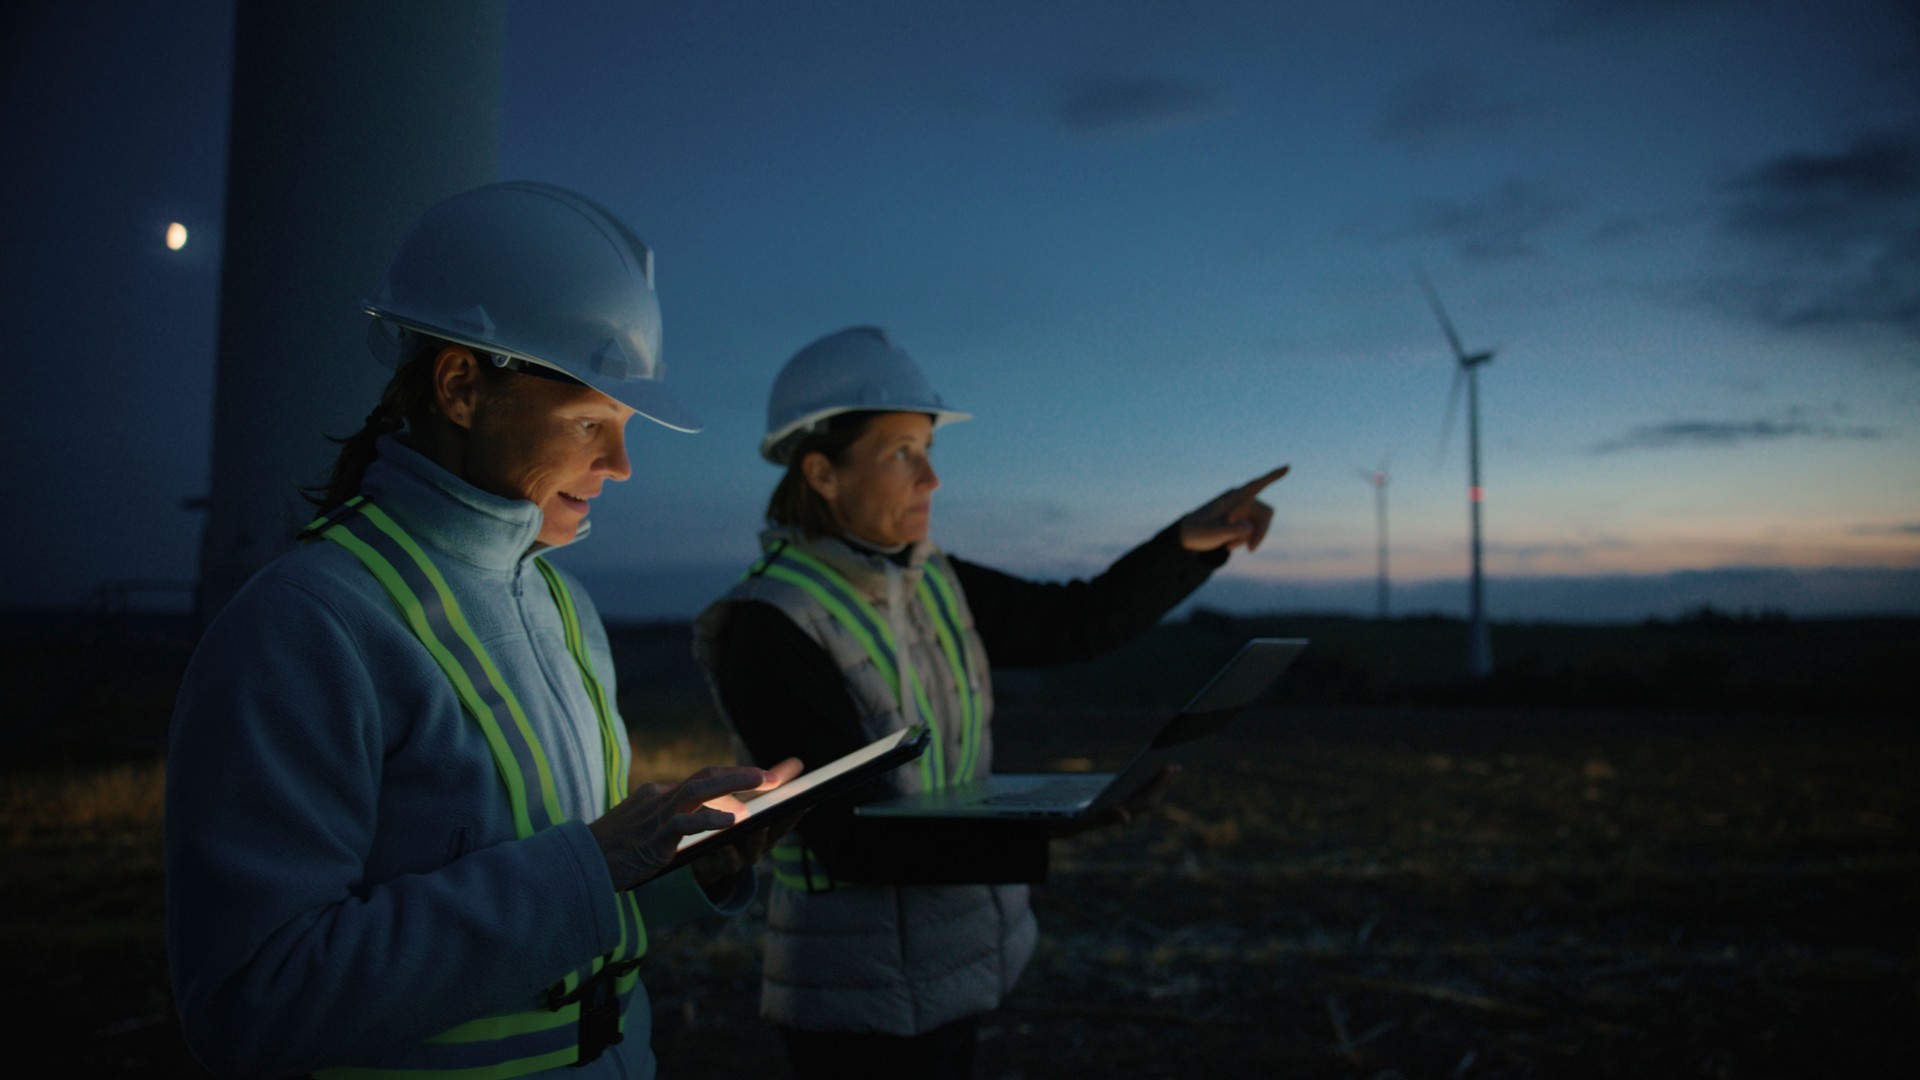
point(1258, 484)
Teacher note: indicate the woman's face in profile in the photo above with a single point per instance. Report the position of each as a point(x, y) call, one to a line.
point(882, 491)
point(553, 444)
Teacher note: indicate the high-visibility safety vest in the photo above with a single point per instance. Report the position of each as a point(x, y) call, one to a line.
point(794, 865)
point(586, 1010)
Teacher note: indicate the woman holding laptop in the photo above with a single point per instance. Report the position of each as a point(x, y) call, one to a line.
point(881, 956)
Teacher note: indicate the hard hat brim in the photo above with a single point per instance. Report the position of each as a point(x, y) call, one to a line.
point(778, 445)
point(648, 397)
point(651, 399)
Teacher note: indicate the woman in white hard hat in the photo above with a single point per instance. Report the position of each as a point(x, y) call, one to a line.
point(881, 955)
point(400, 839)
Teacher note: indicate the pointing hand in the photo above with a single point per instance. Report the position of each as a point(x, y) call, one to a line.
point(1236, 517)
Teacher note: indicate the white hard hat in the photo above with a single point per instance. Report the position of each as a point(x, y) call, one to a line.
point(854, 370)
point(534, 276)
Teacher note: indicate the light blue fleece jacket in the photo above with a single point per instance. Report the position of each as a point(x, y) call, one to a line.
point(342, 870)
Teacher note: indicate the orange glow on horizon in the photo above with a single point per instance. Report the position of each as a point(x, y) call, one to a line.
point(1514, 553)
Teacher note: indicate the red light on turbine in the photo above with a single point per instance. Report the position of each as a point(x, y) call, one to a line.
point(1475, 494)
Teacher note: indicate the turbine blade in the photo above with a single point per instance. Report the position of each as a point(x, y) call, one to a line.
point(1453, 407)
point(1446, 324)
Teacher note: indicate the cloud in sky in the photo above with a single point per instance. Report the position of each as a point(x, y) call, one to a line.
point(1796, 423)
point(1903, 528)
point(1444, 103)
point(1504, 223)
point(1103, 104)
point(1827, 239)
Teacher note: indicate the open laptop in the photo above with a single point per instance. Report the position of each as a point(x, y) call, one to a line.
point(1064, 796)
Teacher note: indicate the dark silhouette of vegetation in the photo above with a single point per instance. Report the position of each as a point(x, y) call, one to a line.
point(83, 687)
point(1706, 660)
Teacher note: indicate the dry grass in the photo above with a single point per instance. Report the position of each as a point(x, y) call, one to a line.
point(1339, 894)
point(677, 758)
point(128, 797)
point(131, 796)
point(1332, 894)
point(80, 916)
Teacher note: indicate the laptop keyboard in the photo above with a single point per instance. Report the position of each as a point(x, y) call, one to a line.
point(1065, 792)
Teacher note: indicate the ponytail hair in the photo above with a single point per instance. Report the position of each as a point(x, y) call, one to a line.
point(407, 402)
point(794, 502)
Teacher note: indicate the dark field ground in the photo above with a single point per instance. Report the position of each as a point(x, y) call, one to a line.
point(1374, 876)
point(1341, 892)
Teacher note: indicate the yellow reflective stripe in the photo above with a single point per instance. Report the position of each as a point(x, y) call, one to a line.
point(314, 527)
point(510, 1024)
point(881, 659)
point(639, 927)
point(795, 868)
point(576, 647)
point(970, 737)
point(610, 741)
point(620, 916)
point(416, 619)
point(933, 766)
point(933, 770)
point(948, 646)
point(611, 745)
point(413, 612)
point(459, 621)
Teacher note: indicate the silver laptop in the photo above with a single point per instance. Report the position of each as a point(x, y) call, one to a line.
point(1070, 795)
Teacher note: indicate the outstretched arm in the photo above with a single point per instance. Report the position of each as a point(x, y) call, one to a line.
point(1027, 623)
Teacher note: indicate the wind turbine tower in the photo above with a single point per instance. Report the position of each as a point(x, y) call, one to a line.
point(1378, 478)
point(1479, 647)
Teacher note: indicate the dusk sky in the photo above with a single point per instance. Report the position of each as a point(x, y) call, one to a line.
point(1154, 248)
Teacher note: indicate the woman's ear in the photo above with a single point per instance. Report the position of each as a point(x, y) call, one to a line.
point(456, 383)
point(820, 475)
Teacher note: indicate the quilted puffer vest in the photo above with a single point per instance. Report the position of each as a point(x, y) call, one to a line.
point(899, 960)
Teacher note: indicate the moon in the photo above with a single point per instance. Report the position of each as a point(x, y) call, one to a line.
point(176, 236)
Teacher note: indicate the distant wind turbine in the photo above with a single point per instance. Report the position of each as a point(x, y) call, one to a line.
point(1479, 647)
point(1378, 478)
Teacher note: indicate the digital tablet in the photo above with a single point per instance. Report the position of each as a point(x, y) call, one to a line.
point(809, 789)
